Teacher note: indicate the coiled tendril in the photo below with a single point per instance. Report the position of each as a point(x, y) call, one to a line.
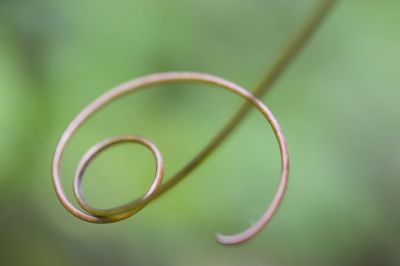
point(156, 189)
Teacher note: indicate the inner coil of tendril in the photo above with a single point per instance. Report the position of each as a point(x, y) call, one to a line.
point(156, 189)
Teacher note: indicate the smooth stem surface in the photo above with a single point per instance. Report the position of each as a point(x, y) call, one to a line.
point(272, 75)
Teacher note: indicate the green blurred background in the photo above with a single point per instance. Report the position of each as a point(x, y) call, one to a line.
point(338, 104)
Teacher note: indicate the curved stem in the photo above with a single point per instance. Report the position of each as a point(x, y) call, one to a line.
point(122, 212)
point(116, 214)
point(281, 63)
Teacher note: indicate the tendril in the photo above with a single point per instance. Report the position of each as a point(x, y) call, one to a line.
point(157, 188)
point(116, 214)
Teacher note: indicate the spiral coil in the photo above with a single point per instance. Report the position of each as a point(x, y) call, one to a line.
point(93, 215)
point(157, 188)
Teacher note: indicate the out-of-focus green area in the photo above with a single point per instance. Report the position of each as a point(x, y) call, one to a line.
point(338, 104)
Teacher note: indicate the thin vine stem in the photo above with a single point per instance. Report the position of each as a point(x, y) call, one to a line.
point(277, 69)
point(157, 189)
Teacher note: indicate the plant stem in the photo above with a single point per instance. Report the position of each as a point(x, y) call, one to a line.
point(281, 64)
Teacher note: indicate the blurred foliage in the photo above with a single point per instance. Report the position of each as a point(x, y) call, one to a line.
point(337, 103)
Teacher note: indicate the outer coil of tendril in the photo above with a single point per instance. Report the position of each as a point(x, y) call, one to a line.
point(157, 188)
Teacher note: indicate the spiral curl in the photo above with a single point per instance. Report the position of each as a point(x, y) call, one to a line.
point(90, 214)
point(156, 189)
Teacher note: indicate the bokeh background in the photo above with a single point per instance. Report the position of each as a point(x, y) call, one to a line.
point(338, 104)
